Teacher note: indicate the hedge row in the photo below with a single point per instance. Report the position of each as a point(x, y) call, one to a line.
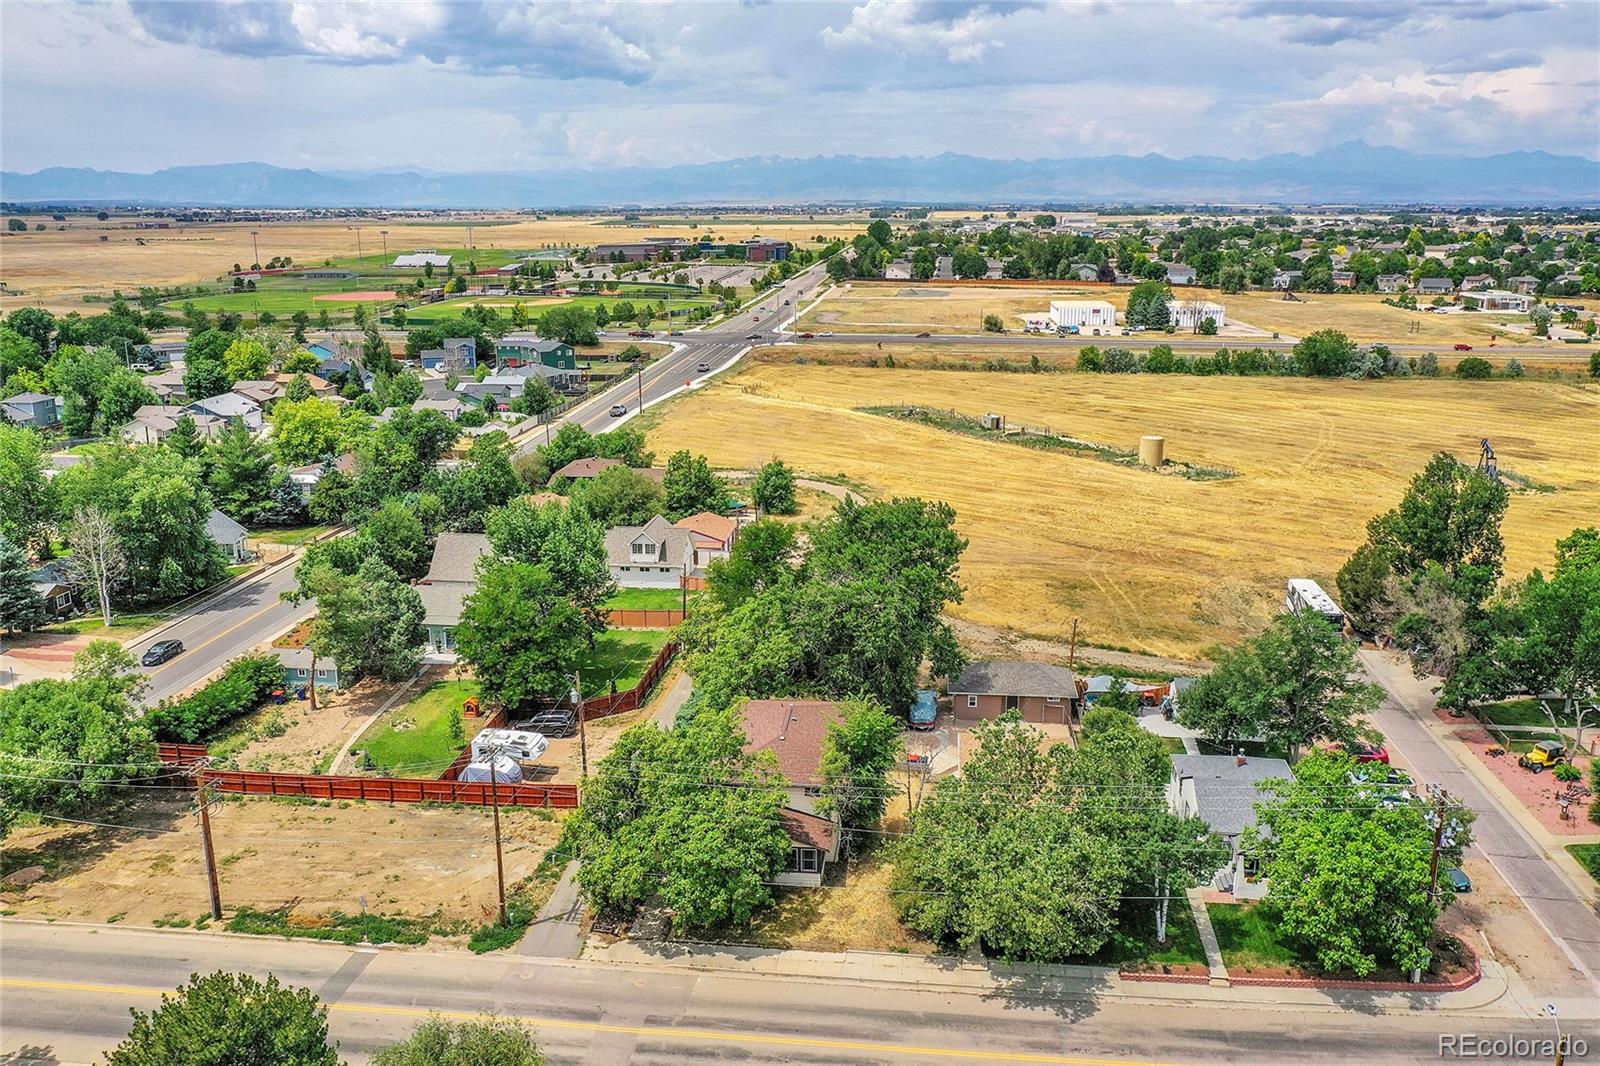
point(240, 690)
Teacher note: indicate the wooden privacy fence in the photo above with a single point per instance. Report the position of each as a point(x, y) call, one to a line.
point(630, 618)
point(633, 698)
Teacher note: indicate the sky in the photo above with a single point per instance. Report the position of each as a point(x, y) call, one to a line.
point(138, 85)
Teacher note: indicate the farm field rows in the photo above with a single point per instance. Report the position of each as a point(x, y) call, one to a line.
point(1151, 562)
point(56, 268)
point(913, 306)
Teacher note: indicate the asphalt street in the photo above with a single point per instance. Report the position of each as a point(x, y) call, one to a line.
point(222, 628)
point(1182, 342)
point(67, 990)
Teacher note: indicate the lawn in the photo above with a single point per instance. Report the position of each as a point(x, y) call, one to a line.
point(536, 305)
point(1529, 711)
point(1588, 856)
point(1158, 564)
point(123, 626)
point(1247, 938)
point(292, 537)
point(621, 655)
point(1134, 940)
point(649, 600)
point(414, 739)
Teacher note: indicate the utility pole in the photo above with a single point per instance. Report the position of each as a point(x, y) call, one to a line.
point(205, 841)
point(583, 735)
point(641, 388)
point(383, 233)
point(255, 248)
point(499, 859)
point(1433, 862)
point(1072, 653)
point(359, 264)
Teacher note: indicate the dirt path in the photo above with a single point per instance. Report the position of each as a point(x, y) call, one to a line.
point(988, 641)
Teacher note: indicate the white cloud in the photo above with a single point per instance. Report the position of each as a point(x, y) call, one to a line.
point(965, 32)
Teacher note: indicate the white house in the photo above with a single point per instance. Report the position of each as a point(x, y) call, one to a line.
point(656, 555)
point(230, 407)
point(1188, 314)
point(1083, 313)
point(1223, 790)
point(230, 536)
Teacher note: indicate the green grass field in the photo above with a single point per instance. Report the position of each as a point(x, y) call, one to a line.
point(623, 655)
point(416, 737)
point(278, 301)
point(649, 600)
point(1530, 711)
point(1588, 856)
point(291, 537)
point(1247, 937)
point(537, 305)
point(123, 626)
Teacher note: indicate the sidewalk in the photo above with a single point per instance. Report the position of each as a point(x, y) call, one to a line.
point(1195, 899)
point(557, 932)
point(1057, 982)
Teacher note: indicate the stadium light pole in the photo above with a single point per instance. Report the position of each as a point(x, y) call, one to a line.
point(255, 248)
point(385, 235)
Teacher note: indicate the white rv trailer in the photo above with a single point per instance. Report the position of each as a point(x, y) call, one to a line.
point(1305, 595)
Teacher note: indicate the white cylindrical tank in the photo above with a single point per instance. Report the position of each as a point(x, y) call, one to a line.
point(1152, 451)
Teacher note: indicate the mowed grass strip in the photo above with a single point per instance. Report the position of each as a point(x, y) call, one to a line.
point(1158, 564)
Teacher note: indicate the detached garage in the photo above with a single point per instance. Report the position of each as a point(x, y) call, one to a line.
point(1043, 693)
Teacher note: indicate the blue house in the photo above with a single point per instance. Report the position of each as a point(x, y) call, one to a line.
point(297, 668)
point(458, 354)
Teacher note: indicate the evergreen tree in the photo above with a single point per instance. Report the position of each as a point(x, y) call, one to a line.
point(21, 607)
point(185, 438)
point(240, 475)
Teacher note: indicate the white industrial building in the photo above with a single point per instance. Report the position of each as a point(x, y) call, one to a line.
point(1082, 313)
point(1188, 314)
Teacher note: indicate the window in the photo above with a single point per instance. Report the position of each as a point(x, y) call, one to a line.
point(1052, 699)
point(1012, 703)
point(972, 702)
point(810, 861)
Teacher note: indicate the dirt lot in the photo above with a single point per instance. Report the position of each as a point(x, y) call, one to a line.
point(311, 738)
point(316, 857)
point(914, 306)
point(57, 268)
point(1150, 563)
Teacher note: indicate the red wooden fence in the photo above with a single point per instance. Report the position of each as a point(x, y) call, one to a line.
point(630, 618)
point(622, 702)
point(391, 789)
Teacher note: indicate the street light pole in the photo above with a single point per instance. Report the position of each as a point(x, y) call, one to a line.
point(255, 248)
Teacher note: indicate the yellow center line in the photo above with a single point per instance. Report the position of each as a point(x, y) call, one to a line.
point(206, 644)
point(664, 1032)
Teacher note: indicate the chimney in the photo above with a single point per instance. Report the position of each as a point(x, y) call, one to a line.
point(1238, 758)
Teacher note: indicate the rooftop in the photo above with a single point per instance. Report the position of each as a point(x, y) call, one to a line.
point(1016, 678)
point(793, 730)
point(1225, 791)
point(455, 557)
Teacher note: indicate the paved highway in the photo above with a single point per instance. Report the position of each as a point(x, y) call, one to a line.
point(222, 628)
point(1179, 342)
point(67, 991)
point(715, 348)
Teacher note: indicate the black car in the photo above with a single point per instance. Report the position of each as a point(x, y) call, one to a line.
point(552, 723)
point(161, 651)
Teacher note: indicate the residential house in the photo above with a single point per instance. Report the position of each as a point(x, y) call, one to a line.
point(452, 407)
point(1084, 272)
point(521, 349)
point(231, 407)
point(167, 386)
point(994, 268)
point(1526, 284)
point(1288, 279)
point(306, 477)
point(1475, 282)
point(1496, 300)
point(1393, 283)
point(319, 386)
point(1223, 791)
point(558, 378)
point(152, 423)
point(713, 536)
point(1344, 279)
point(899, 270)
point(230, 536)
point(162, 353)
point(33, 409)
point(263, 391)
point(1435, 286)
point(1564, 280)
point(452, 575)
point(656, 555)
point(584, 469)
point(58, 589)
point(501, 387)
point(795, 731)
point(1043, 693)
point(459, 354)
point(297, 668)
point(1180, 274)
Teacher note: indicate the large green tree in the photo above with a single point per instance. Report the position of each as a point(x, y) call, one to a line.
point(620, 496)
point(21, 607)
point(683, 815)
point(30, 502)
point(692, 487)
point(369, 620)
point(1349, 872)
point(521, 633)
point(239, 474)
point(230, 1018)
point(858, 753)
point(563, 540)
point(762, 557)
point(773, 490)
point(1327, 353)
point(1555, 645)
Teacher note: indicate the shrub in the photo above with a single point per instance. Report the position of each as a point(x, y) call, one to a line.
point(1567, 772)
point(1474, 369)
point(240, 690)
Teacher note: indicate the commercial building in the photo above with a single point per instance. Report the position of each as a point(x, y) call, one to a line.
point(1496, 300)
point(1083, 313)
point(1188, 314)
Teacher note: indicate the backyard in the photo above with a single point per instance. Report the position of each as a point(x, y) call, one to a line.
point(651, 599)
point(414, 739)
point(619, 659)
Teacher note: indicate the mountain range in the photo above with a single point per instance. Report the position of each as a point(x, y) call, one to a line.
point(1350, 173)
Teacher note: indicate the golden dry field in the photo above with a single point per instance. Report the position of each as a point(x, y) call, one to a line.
point(56, 268)
point(1153, 562)
point(913, 306)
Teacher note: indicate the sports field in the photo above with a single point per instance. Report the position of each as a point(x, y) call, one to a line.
point(56, 268)
point(1151, 562)
point(914, 306)
point(424, 313)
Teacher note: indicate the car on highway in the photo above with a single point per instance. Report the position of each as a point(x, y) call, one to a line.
point(676, 333)
point(640, 333)
point(924, 333)
point(786, 303)
point(160, 652)
point(1463, 347)
point(618, 410)
point(752, 336)
point(560, 723)
point(806, 336)
point(826, 333)
point(703, 368)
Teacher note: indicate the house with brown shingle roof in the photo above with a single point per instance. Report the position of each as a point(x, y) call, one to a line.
point(1041, 692)
point(711, 534)
point(583, 469)
point(794, 731)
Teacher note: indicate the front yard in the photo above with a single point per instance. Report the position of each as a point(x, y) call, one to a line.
point(413, 739)
point(123, 626)
point(1588, 856)
point(621, 656)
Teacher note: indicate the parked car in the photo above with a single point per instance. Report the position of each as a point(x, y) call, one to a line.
point(560, 723)
point(1458, 879)
point(643, 333)
point(618, 410)
point(1463, 347)
point(160, 652)
point(924, 709)
point(1543, 755)
point(1368, 753)
point(703, 368)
